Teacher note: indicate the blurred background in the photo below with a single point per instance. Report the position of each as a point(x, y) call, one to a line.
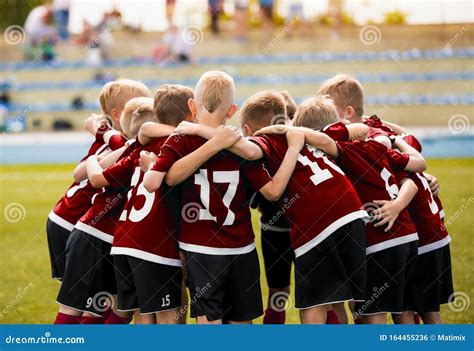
point(413, 57)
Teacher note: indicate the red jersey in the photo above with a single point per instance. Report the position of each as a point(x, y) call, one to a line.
point(371, 168)
point(215, 216)
point(424, 212)
point(77, 200)
point(272, 217)
point(107, 204)
point(337, 131)
point(440, 206)
point(319, 198)
point(146, 228)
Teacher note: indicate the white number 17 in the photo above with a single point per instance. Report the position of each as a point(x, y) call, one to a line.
point(219, 177)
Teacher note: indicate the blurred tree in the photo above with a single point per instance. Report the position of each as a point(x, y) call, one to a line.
point(395, 17)
point(16, 11)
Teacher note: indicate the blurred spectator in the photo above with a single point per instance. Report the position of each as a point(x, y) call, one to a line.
point(176, 47)
point(40, 33)
point(215, 8)
point(109, 22)
point(296, 20)
point(335, 9)
point(241, 25)
point(98, 39)
point(170, 4)
point(61, 16)
point(266, 9)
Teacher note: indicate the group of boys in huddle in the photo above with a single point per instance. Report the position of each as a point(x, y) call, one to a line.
point(161, 207)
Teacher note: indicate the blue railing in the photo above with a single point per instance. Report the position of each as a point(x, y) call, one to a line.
point(294, 79)
point(324, 57)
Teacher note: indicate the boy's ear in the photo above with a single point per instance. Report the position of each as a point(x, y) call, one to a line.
point(350, 112)
point(232, 111)
point(247, 130)
point(114, 113)
point(192, 106)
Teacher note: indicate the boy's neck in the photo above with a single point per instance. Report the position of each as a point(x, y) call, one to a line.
point(356, 120)
point(211, 120)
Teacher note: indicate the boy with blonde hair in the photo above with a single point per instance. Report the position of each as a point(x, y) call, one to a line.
point(216, 233)
point(96, 220)
point(147, 265)
point(374, 172)
point(76, 201)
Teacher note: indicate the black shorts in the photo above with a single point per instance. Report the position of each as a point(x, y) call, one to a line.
point(148, 286)
point(277, 257)
point(388, 273)
point(57, 238)
point(224, 286)
point(89, 279)
point(431, 283)
point(334, 270)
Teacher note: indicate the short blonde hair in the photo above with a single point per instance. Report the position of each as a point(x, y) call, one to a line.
point(171, 103)
point(345, 91)
point(263, 109)
point(141, 115)
point(127, 113)
point(214, 91)
point(316, 113)
point(115, 94)
point(290, 103)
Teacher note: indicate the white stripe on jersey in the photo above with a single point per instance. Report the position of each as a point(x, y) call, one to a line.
point(60, 221)
point(434, 246)
point(391, 243)
point(95, 232)
point(146, 256)
point(329, 230)
point(207, 250)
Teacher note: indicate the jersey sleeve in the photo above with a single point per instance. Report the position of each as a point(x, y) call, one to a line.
point(120, 173)
point(170, 152)
point(116, 141)
point(99, 135)
point(398, 160)
point(256, 174)
point(336, 131)
point(413, 142)
point(402, 175)
point(263, 142)
point(345, 147)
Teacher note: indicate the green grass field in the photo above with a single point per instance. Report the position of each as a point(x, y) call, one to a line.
point(28, 193)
